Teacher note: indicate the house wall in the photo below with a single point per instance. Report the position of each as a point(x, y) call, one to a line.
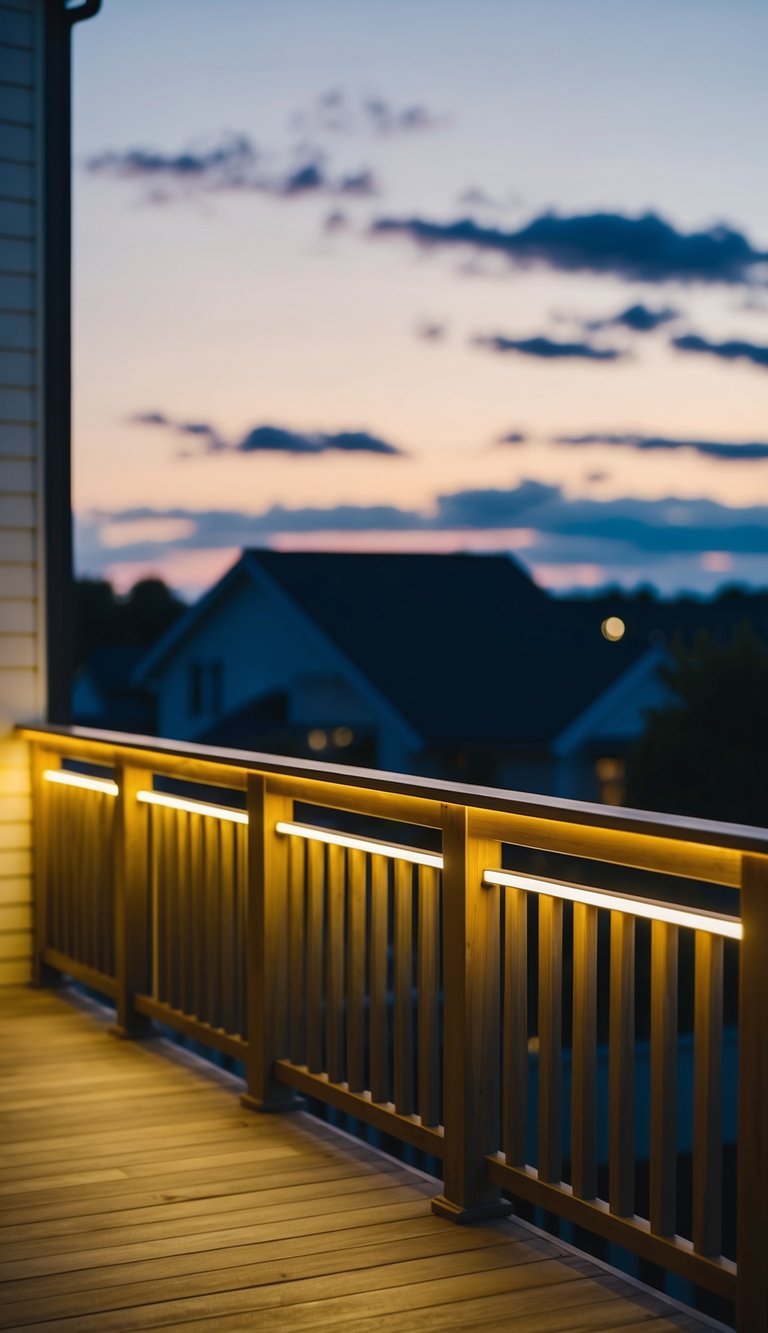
point(262, 649)
point(22, 650)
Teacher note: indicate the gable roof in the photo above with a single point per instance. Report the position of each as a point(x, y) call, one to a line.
point(465, 648)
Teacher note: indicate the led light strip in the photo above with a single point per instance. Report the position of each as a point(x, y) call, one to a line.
point(387, 849)
point(66, 779)
point(193, 807)
point(727, 926)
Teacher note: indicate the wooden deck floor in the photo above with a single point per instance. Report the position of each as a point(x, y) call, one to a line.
point(136, 1193)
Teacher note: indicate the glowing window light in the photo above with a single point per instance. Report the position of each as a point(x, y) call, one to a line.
point(388, 849)
point(192, 807)
point(711, 922)
point(66, 779)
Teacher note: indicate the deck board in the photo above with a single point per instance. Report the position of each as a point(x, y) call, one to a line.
point(135, 1193)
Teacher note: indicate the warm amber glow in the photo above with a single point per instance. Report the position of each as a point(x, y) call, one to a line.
point(193, 807)
point(317, 739)
point(613, 628)
point(712, 922)
point(103, 785)
point(369, 845)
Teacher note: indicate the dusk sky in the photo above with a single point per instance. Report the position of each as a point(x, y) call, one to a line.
point(423, 275)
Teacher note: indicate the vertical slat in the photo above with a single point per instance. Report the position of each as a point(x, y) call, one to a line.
point(708, 1095)
point(211, 894)
point(76, 851)
point(752, 1220)
point(550, 1038)
point(195, 918)
point(315, 920)
point(356, 878)
point(334, 1027)
point(379, 1028)
point(241, 836)
point(621, 1077)
point(515, 1029)
point(472, 1024)
point(183, 924)
point(429, 994)
point(584, 1053)
point(43, 815)
point(403, 987)
point(171, 894)
point(156, 943)
point(663, 1144)
point(227, 892)
point(297, 991)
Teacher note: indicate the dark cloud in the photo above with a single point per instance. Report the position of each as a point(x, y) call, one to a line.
point(639, 318)
point(513, 437)
point(272, 439)
point(233, 165)
point(339, 112)
point(731, 452)
point(545, 349)
point(735, 349)
point(611, 531)
point(645, 249)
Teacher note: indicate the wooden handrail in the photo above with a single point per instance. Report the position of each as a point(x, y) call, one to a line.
point(352, 970)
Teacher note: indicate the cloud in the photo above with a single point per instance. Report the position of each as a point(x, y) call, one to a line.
point(233, 165)
point(639, 318)
point(340, 112)
point(513, 437)
point(729, 452)
point(271, 439)
point(545, 349)
point(735, 349)
point(431, 331)
point(637, 249)
point(618, 531)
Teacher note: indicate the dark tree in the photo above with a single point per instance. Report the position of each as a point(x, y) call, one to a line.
point(706, 754)
point(103, 619)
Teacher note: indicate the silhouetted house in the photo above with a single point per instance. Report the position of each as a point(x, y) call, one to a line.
point(454, 666)
point(104, 695)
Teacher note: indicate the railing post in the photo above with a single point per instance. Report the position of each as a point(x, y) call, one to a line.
point(471, 971)
point(131, 899)
point(267, 951)
point(752, 1215)
point(42, 973)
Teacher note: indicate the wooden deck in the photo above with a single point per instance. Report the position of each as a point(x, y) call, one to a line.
point(136, 1193)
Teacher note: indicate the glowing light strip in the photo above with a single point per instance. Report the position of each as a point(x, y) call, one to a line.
point(192, 807)
point(727, 926)
point(60, 775)
point(388, 849)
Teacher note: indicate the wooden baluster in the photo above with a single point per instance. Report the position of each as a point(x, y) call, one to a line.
point(131, 899)
point(227, 898)
point(379, 1026)
point(169, 831)
point(356, 878)
point(241, 836)
point(334, 1031)
point(663, 1143)
point(429, 994)
point(183, 913)
point(550, 1038)
point(515, 1027)
point(297, 972)
point(621, 1061)
point(211, 900)
point(708, 1095)
point(471, 967)
point(752, 1221)
point(315, 928)
point(403, 987)
point(267, 946)
point(195, 921)
point(584, 1053)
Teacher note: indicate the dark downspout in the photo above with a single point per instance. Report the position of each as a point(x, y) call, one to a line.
point(57, 346)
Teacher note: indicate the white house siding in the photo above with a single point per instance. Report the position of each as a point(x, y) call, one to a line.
point(21, 639)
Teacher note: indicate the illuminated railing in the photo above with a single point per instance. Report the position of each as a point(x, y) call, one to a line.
point(441, 993)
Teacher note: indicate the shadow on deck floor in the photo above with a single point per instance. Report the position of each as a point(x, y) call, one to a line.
point(136, 1193)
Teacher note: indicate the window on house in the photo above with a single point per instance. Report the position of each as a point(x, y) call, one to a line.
point(611, 775)
point(205, 687)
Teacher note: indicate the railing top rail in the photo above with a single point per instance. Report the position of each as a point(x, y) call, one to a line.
point(555, 810)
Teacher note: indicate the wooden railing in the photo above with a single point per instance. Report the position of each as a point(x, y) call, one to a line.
point(419, 984)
